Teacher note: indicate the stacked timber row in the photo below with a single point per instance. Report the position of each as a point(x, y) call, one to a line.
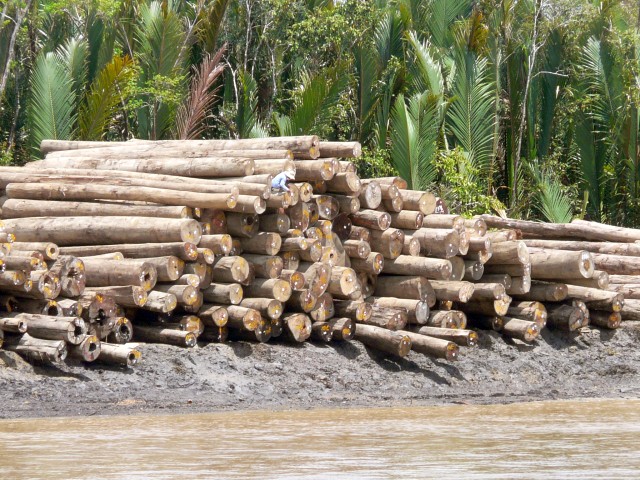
point(185, 241)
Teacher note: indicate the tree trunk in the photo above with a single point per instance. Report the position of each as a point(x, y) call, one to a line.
point(384, 340)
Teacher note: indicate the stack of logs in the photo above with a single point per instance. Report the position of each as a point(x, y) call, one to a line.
point(105, 244)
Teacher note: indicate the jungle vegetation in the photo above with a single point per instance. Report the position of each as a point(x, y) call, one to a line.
point(524, 107)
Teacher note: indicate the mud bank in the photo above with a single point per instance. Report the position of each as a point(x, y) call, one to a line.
point(241, 375)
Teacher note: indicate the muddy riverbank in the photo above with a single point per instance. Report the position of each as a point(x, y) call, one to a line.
point(241, 375)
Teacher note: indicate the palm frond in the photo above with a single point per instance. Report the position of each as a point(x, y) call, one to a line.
point(74, 56)
point(592, 165)
point(210, 24)
point(190, 118)
point(104, 98)
point(471, 115)
point(440, 16)
point(50, 109)
point(388, 38)
point(551, 200)
point(282, 125)
point(320, 93)
point(366, 72)
point(553, 55)
point(426, 72)
point(414, 135)
point(248, 123)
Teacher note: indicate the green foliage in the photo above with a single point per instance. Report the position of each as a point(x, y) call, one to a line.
point(374, 164)
point(459, 185)
point(104, 98)
point(51, 106)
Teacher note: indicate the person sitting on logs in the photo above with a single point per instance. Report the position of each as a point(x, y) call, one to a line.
point(279, 182)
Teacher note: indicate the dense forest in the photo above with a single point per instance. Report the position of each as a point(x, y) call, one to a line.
point(522, 106)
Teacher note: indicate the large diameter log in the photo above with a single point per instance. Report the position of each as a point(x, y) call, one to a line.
point(317, 276)
point(122, 331)
point(385, 340)
point(265, 266)
point(21, 208)
point(65, 231)
point(125, 296)
point(160, 302)
point(387, 317)
point(323, 309)
point(373, 264)
point(348, 205)
point(344, 281)
point(104, 273)
point(72, 274)
point(125, 355)
point(347, 183)
point(168, 268)
point(370, 194)
point(521, 329)
point(268, 307)
point(388, 242)
point(564, 317)
point(297, 326)
point(186, 251)
point(275, 223)
point(453, 291)
point(68, 191)
point(560, 264)
point(88, 350)
point(264, 243)
point(355, 310)
point(310, 171)
point(437, 242)
point(37, 349)
point(465, 338)
point(417, 310)
point(599, 280)
point(340, 149)
point(529, 310)
point(412, 287)
point(213, 315)
point(446, 221)
point(357, 248)
point(70, 329)
point(186, 295)
point(616, 264)
point(225, 293)
point(433, 347)
point(509, 253)
point(423, 202)
point(303, 300)
point(432, 268)
point(248, 204)
point(230, 270)
point(372, 219)
point(269, 288)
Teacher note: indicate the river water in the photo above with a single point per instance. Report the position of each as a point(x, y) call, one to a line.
point(541, 440)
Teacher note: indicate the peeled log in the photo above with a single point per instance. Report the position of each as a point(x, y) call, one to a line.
point(88, 350)
point(520, 329)
point(159, 334)
point(119, 354)
point(559, 264)
point(453, 291)
point(297, 326)
point(37, 349)
point(65, 231)
point(104, 273)
point(70, 329)
point(423, 202)
point(529, 310)
point(596, 298)
point(546, 292)
point(342, 328)
point(417, 310)
point(384, 340)
point(186, 251)
point(431, 268)
point(465, 338)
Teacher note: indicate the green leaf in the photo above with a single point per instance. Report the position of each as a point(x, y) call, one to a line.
point(426, 73)
point(441, 14)
point(210, 24)
point(74, 55)
point(247, 121)
point(366, 72)
point(51, 103)
point(104, 98)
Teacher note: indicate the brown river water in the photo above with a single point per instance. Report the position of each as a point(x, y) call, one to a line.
point(596, 439)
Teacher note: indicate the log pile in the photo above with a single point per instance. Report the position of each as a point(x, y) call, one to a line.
point(108, 245)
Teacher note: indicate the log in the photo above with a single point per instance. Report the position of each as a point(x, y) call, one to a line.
point(609, 248)
point(185, 295)
point(564, 317)
point(389, 242)
point(249, 204)
point(355, 310)
point(275, 223)
point(88, 350)
point(21, 208)
point(437, 242)
point(265, 266)
point(323, 309)
point(269, 288)
point(186, 251)
point(599, 280)
point(340, 149)
point(596, 298)
point(370, 194)
point(442, 319)
point(453, 291)
point(357, 248)
point(411, 246)
point(160, 334)
point(267, 307)
point(49, 251)
point(162, 196)
point(230, 270)
point(311, 171)
point(65, 231)
point(125, 296)
point(342, 329)
point(317, 276)
point(465, 338)
point(407, 219)
point(529, 310)
point(609, 320)
point(264, 243)
point(348, 205)
point(417, 310)
point(373, 264)
point(524, 330)
point(321, 331)
point(423, 202)
point(297, 326)
point(433, 347)
point(103, 273)
point(385, 340)
point(473, 270)
point(510, 253)
point(160, 302)
point(122, 331)
point(616, 264)
point(125, 355)
point(303, 300)
point(487, 322)
point(70, 329)
point(347, 183)
point(214, 315)
point(546, 292)
point(37, 349)
point(432, 268)
point(371, 219)
point(412, 287)
point(487, 291)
